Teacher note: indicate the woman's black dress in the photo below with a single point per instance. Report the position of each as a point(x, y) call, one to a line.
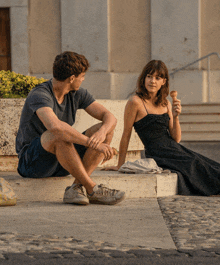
point(197, 174)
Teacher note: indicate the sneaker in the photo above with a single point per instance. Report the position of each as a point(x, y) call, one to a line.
point(103, 195)
point(75, 194)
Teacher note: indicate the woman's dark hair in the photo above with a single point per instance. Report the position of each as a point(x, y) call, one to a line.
point(69, 63)
point(159, 67)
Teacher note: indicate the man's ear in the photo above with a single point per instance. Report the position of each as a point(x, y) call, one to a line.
point(72, 78)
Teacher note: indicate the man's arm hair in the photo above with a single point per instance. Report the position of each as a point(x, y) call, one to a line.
point(61, 130)
point(99, 112)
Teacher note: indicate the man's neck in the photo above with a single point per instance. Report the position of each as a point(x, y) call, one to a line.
point(60, 89)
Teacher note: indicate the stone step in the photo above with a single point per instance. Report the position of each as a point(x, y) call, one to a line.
point(200, 108)
point(200, 136)
point(134, 185)
point(200, 122)
point(199, 117)
point(208, 127)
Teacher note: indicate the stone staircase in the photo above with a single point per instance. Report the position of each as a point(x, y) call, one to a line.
point(200, 122)
point(200, 125)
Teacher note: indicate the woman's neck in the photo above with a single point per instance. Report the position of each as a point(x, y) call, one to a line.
point(152, 99)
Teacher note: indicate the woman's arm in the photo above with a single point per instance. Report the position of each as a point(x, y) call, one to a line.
point(174, 124)
point(130, 114)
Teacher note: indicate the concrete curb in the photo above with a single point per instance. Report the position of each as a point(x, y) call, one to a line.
point(134, 185)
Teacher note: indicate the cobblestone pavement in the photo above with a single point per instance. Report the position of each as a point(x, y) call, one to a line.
point(194, 224)
point(193, 221)
point(35, 249)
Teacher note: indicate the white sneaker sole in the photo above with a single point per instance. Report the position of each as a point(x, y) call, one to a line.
point(79, 202)
point(107, 202)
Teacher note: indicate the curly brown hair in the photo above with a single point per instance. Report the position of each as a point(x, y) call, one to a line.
point(69, 63)
point(159, 67)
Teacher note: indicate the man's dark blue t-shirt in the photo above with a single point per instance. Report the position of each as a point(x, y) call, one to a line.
point(42, 96)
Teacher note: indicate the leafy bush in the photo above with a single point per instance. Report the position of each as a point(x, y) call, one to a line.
point(14, 85)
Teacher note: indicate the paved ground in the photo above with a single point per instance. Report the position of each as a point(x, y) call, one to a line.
point(132, 222)
point(193, 222)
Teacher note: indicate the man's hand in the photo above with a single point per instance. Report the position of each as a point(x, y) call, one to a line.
point(106, 150)
point(96, 139)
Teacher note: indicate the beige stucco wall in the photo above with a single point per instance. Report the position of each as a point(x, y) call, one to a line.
point(130, 47)
point(44, 35)
point(210, 31)
point(132, 37)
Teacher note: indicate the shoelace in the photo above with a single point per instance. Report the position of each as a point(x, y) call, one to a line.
point(80, 187)
point(106, 191)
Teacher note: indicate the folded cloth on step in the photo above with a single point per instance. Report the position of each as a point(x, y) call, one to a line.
point(142, 166)
point(7, 195)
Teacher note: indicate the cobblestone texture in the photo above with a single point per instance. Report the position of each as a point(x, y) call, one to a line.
point(194, 222)
point(26, 248)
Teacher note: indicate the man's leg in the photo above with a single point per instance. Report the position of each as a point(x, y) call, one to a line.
point(92, 158)
point(68, 158)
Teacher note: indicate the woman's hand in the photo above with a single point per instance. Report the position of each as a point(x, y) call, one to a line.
point(174, 125)
point(176, 108)
point(112, 168)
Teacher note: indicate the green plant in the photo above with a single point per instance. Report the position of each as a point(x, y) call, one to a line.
point(14, 85)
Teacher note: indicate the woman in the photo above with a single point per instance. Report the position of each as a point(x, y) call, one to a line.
point(156, 122)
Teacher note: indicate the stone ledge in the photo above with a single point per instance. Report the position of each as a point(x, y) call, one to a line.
point(11, 110)
point(52, 189)
point(10, 163)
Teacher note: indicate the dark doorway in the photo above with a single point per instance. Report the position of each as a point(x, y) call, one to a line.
point(5, 46)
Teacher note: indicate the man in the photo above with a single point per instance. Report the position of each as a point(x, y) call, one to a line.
point(48, 145)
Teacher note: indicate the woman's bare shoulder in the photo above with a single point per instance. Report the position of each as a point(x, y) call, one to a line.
point(134, 100)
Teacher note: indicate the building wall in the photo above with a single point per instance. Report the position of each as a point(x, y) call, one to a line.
point(210, 31)
point(129, 35)
point(85, 30)
point(175, 32)
point(119, 38)
point(44, 33)
point(130, 38)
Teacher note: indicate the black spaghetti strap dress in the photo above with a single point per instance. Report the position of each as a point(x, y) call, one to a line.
point(197, 174)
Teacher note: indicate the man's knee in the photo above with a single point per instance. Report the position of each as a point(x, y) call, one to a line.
point(50, 143)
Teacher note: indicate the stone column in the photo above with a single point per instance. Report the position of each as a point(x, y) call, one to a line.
point(175, 39)
point(85, 30)
point(113, 35)
point(175, 32)
point(19, 39)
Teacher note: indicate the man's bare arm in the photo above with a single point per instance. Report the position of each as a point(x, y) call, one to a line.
point(61, 130)
point(64, 132)
point(109, 122)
